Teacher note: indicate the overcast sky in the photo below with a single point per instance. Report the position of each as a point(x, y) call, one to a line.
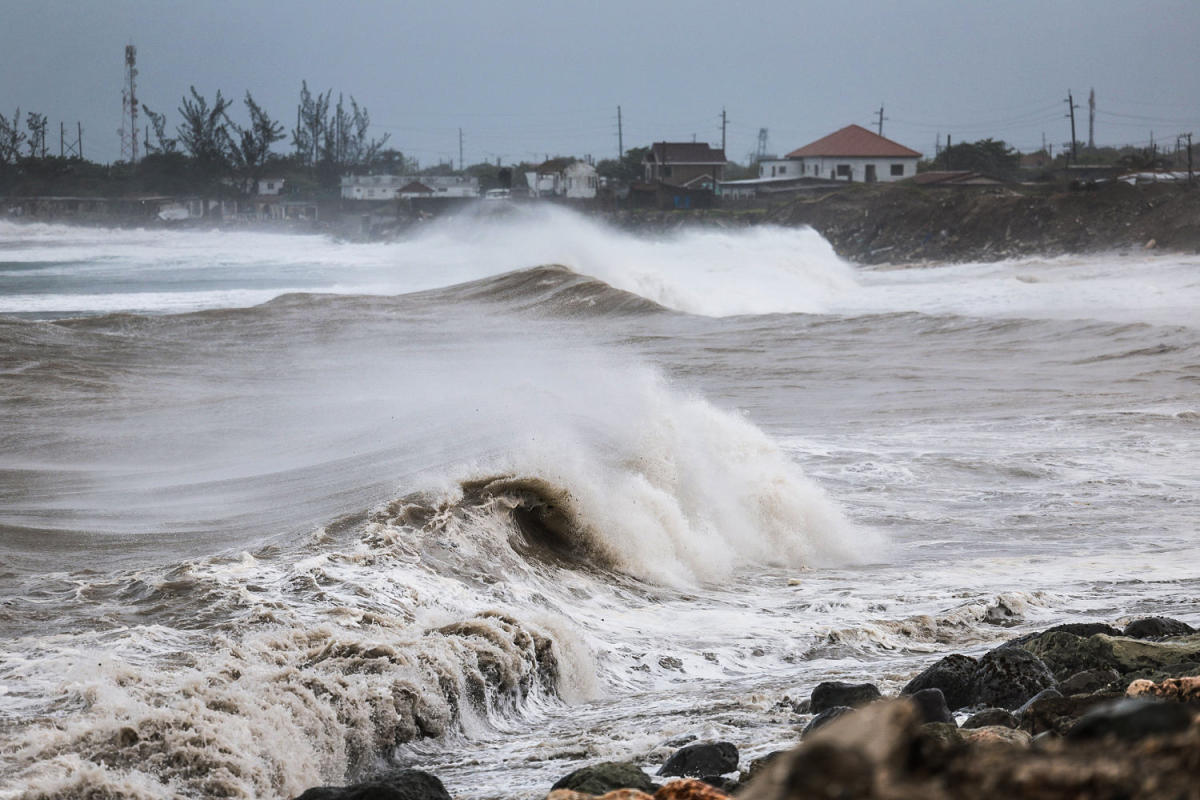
point(528, 79)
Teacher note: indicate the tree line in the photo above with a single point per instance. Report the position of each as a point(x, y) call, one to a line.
point(209, 151)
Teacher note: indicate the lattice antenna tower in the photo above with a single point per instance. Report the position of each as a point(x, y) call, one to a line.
point(761, 152)
point(129, 108)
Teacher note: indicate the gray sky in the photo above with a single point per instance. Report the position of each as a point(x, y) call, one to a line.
point(527, 79)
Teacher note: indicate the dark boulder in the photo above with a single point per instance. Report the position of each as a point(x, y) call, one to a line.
point(404, 784)
point(952, 674)
point(1084, 629)
point(990, 717)
point(1056, 715)
point(1157, 628)
point(931, 706)
point(606, 776)
point(1008, 676)
point(759, 764)
point(824, 718)
point(1066, 654)
point(835, 693)
point(1088, 681)
point(1044, 694)
point(701, 760)
point(1131, 719)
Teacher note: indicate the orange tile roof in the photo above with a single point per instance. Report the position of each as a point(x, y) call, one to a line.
point(854, 141)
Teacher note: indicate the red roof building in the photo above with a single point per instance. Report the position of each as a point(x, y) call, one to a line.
point(850, 154)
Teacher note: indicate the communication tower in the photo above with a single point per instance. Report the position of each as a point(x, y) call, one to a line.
point(761, 151)
point(129, 108)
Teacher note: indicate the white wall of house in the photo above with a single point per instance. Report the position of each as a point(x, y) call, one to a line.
point(842, 169)
point(580, 180)
point(270, 186)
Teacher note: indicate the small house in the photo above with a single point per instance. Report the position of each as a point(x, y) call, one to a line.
point(693, 165)
point(851, 154)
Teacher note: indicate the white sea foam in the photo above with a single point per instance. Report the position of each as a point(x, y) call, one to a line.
point(718, 273)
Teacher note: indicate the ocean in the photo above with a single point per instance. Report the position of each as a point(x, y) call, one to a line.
point(521, 492)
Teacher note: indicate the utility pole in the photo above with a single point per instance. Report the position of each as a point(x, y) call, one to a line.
point(947, 152)
point(460, 150)
point(620, 137)
point(1189, 141)
point(724, 121)
point(1070, 101)
point(1092, 120)
point(881, 119)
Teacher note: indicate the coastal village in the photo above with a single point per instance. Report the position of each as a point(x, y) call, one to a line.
point(382, 193)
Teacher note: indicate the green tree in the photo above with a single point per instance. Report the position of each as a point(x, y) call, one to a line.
point(626, 170)
point(11, 138)
point(989, 156)
point(159, 123)
point(204, 133)
point(252, 146)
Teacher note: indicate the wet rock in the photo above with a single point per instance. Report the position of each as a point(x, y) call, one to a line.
point(615, 794)
point(992, 717)
point(881, 753)
point(759, 764)
point(1089, 681)
point(701, 759)
point(405, 784)
point(1157, 628)
point(671, 662)
point(824, 718)
point(850, 758)
point(1044, 694)
point(1131, 719)
point(1084, 629)
point(1180, 690)
point(690, 789)
point(1058, 714)
point(1139, 654)
point(931, 706)
point(1067, 654)
point(605, 777)
point(1008, 676)
point(997, 735)
point(835, 693)
point(952, 674)
point(1000, 613)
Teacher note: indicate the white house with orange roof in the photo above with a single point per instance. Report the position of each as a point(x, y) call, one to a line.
point(851, 154)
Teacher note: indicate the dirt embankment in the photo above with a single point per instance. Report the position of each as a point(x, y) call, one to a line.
point(905, 223)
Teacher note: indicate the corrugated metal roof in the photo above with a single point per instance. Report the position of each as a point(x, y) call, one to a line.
point(854, 141)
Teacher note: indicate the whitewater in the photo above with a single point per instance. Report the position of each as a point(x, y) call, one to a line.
point(520, 491)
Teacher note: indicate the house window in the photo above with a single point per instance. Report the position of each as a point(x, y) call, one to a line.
point(773, 172)
point(843, 170)
point(782, 170)
point(270, 184)
point(897, 170)
point(666, 172)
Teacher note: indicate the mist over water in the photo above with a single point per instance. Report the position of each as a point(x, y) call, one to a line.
point(433, 502)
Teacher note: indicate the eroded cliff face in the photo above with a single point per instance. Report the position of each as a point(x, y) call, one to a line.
point(905, 224)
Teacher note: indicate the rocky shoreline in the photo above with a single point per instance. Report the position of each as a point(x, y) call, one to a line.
point(907, 224)
point(1082, 711)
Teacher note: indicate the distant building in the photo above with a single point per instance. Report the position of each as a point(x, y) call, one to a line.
point(693, 165)
point(268, 187)
point(563, 177)
point(850, 154)
point(391, 187)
